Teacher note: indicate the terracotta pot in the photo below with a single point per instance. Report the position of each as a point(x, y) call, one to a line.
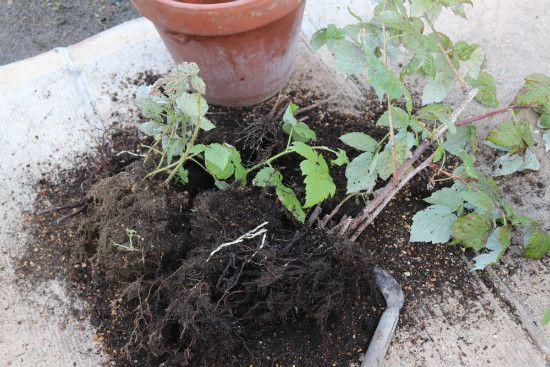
point(244, 48)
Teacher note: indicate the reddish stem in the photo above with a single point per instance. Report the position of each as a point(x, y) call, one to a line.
point(492, 113)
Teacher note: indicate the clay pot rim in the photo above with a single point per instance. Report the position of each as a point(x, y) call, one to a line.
point(218, 6)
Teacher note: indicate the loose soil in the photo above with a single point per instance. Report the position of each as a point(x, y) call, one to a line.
point(296, 296)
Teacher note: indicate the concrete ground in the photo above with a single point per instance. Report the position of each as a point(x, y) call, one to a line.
point(56, 105)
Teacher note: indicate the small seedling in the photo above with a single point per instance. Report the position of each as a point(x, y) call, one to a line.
point(129, 245)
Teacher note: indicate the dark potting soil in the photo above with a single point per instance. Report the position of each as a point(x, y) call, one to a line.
point(280, 300)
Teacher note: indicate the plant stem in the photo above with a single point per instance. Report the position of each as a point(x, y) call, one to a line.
point(391, 195)
point(390, 113)
point(190, 146)
point(268, 162)
point(493, 113)
point(382, 193)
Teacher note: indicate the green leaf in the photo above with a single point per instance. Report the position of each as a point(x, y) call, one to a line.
point(482, 202)
point(290, 201)
point(384, 164)
point(360, 141)
point(197, 149)
point(151, 107)
point(304, 150)
point(497, 244)
point(439, 153)
point(300, 130)
point(475, 64)
point(446, 197)
point(469, 167)
point(546, 319)
point(536, 245)
point(536, 91)
point(464, 50)
point(152, 128)
point(349, 57)
point(206, 124)
point(268, 177)
point(510, 134)
point(193, 105)
point(174, 149)
point(341, 159)
point(544, 121)
point(361, 174)
point(432, 224)
point(464, 138)
point(508, 164)
point(437, 89)
point(472, 230)
point(183, 175)
point(401, 119)
point(487, 94)
point(322, 36)
point(546, 138)
point(385, 81)
point(432, 8)
point(319, 183)
point(217, 155)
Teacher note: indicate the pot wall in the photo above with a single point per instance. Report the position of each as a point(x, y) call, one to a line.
point(243, 61)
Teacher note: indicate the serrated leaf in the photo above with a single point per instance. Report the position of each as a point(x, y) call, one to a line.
point(290, 202)
point(322, 36)
point(480, 201)
point(384, 81)
point(468, 164)
point(472, 230)
point(438, 88)
point(360, 174)
point(447, 197)
point(497, 244)
point(464, 138)
point(432, 224)
point(193, 105)
point(536, 91)
point(300, 130)
point(348, 55)
point(150, 106)
point(509, 164)
point(507, 134)
point(536, 245)
point(384, 164)
point(487, 94)
point(319, 183)
point(360, 141)
point(401, 119)
point(341, 158)
point(432, 8)
point(464, 50)
point(304, 150)
point(475, 64)
point(268, 177)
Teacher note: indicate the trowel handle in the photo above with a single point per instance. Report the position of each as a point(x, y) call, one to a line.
point(381, 339)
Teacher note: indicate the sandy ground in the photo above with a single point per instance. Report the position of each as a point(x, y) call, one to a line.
point(57, 102)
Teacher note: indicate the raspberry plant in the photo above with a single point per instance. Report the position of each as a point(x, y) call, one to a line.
point(471, 212)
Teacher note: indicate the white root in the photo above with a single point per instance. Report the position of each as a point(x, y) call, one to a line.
point(256, 232)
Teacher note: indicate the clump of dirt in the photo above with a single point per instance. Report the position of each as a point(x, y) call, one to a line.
point(289, 296)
